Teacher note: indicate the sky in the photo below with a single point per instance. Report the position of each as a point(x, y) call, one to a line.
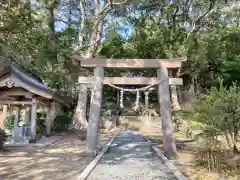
point(61, 13)
point(124, 30)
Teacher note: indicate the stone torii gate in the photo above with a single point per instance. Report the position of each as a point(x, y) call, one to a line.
point(97, 81)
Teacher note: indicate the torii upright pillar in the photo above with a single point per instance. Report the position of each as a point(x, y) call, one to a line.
point(166, 114)
point(93, 130)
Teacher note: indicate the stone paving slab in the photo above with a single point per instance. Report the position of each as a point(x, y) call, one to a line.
point(26, 146)
point(130, 157)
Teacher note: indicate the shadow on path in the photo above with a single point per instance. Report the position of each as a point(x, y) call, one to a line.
point(130, 157)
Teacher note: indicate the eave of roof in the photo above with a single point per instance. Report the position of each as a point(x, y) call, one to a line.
point(11, 69)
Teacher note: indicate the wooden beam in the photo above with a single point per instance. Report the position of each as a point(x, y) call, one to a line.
point(16, 92)
point(16, 102)
point(132, 63)
point(129, 80)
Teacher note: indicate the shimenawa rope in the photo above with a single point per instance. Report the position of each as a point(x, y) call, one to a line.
point(126, 89)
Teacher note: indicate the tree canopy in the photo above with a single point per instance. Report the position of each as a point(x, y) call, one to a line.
point(44, 35)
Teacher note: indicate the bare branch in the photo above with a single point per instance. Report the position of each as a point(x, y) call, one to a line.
point(96, 36)
point(104, 9)
point(63, 21)
point(97, 7)
point(120, 3)
point(196, 24)
point(209, 9)
point(81, 32)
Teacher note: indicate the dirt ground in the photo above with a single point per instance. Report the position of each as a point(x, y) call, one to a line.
point(65, 159)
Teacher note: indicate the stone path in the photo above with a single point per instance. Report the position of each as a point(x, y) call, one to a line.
point(130, 158)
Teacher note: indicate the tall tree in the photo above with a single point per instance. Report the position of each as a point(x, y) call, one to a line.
point(93, 16)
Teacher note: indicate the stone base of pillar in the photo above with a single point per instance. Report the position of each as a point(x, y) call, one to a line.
point(94, 153)
point(32, 140)
point(48, 135)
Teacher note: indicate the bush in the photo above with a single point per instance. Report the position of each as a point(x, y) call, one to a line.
point(40, 128)
point(9, 122)
point(3, 137)
point(219, 114)
point(61, 122)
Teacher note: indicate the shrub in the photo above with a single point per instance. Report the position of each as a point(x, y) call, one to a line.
point(9, 122)
point(61, 122)
point(219, 114)
point(41, 128)
point(2, 138)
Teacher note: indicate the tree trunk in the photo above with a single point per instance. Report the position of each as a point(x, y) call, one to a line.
point(48, 26)
point(174, 95)
point(189, 95)
point(235, 136)
point(169, 145)
point(94, 40)
point(80, 117)
point(175, 103)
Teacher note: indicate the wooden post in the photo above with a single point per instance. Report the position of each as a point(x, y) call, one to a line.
point(170, 150)
point(146, 99)
point(81, 110)
point(118, 96)
point(55, 110)
point(27, 115)
point(94, 113)
point(33, 118)
point(48, 121)
point(15, 126)
point(3, 115)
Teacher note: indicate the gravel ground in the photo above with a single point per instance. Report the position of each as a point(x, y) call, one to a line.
point(130, 158)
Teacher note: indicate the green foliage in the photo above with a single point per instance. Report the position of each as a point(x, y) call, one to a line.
point(9, 122)
point(159, 29)
point(219, 114)
point(195, 125)
point(61, 122)
point(41, 124)
point(2, 137)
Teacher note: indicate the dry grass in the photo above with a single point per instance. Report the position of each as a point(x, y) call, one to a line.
point(194, 161)
point(65, 159)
